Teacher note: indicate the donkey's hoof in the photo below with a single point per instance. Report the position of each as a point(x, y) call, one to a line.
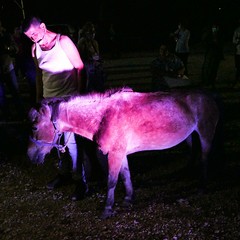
point(127, 203)
point(107, 213)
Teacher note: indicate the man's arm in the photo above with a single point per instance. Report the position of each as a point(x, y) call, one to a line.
point(73, 54)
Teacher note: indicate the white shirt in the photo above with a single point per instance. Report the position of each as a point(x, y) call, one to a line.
point(59, 75)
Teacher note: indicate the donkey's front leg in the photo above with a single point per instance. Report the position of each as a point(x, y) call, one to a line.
point(126, 178)
point(114, 165)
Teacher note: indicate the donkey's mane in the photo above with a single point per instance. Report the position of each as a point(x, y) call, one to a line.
point(88, 96)
point(98, 96)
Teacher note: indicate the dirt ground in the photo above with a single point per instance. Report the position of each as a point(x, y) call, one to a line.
point(167, 205)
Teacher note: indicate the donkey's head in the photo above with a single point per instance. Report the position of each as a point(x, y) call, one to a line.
point(43, 134)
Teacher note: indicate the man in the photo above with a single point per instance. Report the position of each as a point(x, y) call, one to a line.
point(58, 66)
point(88, 46)
point(8, 77)
point(182, 50)
point(213, 39)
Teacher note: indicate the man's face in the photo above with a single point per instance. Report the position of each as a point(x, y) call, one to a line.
point(36, 32)
point(163, 51)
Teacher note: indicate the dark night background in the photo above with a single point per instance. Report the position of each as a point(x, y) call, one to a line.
point(140, 21)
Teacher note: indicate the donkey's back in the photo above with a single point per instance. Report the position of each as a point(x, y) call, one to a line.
point(155, 121)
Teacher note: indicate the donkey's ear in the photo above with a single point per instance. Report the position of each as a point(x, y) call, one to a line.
point(36, 106)
point(33, 114)
point(45, 111)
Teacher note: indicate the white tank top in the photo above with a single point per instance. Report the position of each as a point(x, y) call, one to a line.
point(59, 75)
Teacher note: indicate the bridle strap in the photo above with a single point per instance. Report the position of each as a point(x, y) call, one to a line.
point(57, 133)
point(54, 115)
point(52, 144)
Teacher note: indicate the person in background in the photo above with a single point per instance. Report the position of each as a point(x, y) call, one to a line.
point(113, 42)
point(93, 77)
point(236, 43)
point(58, 68)
point(167, 70)
point(8, 77)
point(93, 74)
point(182, 50)
point(213, 41)
point(24, 63)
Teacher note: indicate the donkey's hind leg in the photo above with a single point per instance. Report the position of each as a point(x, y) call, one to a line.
point(195, 149)
point(126, 178)
point(206, 145)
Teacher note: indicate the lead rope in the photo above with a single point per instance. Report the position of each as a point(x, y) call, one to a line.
point(62, 149)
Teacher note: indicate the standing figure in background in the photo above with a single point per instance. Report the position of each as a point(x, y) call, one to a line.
point(113, 42)
point(93, 78)
point(182, 50)
point(8, 76)
point(93, 75)
point(213, 41)
point(58, 68)
point(236, 42)
point(24, 63)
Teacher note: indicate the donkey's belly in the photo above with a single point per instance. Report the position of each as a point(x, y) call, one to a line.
point(157, 141)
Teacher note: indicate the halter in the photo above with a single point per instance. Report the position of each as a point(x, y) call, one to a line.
point(55, 143)
point(57, 134)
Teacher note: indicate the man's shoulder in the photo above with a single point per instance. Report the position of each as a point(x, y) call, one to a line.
point(65, 40)
point(83, 41)
point(63, 37)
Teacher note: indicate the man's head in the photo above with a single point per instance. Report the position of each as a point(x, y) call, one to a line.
point(88, 30)
point(163, 50)
point(34, 29)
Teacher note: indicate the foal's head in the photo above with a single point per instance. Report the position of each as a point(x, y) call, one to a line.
point(42, 137)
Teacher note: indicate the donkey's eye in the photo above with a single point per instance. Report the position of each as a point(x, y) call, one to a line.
point(34, 128)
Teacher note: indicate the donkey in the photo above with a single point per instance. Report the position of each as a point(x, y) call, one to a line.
point(122, 122)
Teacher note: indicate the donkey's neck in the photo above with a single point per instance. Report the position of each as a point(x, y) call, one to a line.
point(80, 119)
